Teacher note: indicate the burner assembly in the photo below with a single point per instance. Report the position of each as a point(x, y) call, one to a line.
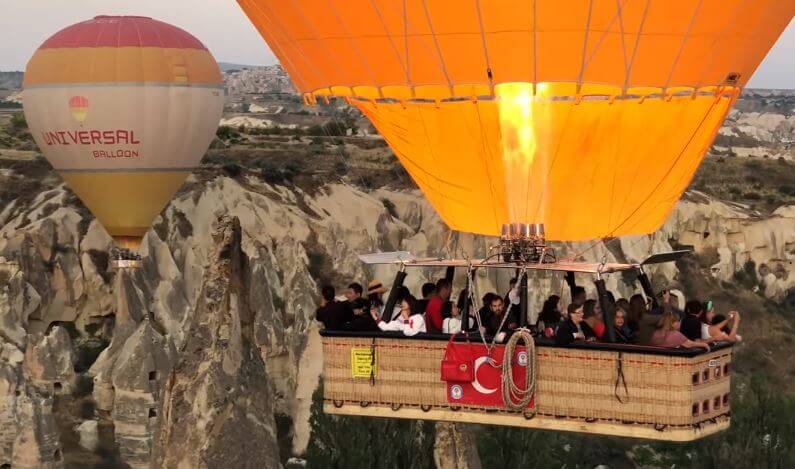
point(524, 242)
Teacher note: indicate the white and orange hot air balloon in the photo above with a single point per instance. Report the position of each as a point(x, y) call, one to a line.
point(123, 107)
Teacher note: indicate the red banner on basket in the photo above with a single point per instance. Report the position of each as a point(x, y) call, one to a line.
point(485, 388)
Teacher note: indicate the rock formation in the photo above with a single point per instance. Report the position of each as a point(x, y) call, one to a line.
point(217, 406)
point(32, 369)
point(455, 447)
point(290, 241)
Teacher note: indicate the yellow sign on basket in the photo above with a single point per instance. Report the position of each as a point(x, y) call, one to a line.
point(363, 362)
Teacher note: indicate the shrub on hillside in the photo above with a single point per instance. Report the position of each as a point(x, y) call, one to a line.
point(747, 276)
point(225, 132)
point(279, 171)
point(18, 122)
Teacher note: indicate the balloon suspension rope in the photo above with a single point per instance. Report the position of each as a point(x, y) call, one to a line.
point(514, 397)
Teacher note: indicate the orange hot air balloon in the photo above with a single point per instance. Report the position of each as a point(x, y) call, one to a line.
point(124, 108)
point(589, 116)
point(78, 106)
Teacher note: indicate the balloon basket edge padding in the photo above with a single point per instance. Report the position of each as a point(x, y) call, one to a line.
point(118, 264)
point(667, 397)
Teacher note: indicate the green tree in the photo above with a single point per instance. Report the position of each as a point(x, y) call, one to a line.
point(225, 132)
point(367, 443)
point(520, 447)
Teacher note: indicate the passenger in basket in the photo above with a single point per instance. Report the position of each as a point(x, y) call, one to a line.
point(668, 334)
point(578, 295)
point(362, 317)
point(550, 317)
point(593, 317)
point(513, 301)
point(715, 327)
point(375, 295)
point(331, 312)
point(402, 293)
point(428, 289)
point(353, 292)
point(623, 303)
point(647, 321)
point(433, 313)
point(623, 333)
point(574, 328)
point(499, 323)
point(485, 311)
point(411, 322)
point(691, 323)
point(453, 319)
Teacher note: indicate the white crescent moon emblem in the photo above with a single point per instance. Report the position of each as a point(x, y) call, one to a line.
point(475, 384)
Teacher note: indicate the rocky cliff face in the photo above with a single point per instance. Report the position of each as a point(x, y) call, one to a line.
point(217, 406)
point(760, 124)
point(216, 330)
point(33, 369)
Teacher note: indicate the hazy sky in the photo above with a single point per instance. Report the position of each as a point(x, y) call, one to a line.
point(222, 26)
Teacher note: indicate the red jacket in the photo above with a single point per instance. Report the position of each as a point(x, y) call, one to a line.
point(433, 314)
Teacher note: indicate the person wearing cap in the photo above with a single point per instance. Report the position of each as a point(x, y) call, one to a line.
point(574, 328)
point(331, 312)
point(375, 295)
point(433, 312)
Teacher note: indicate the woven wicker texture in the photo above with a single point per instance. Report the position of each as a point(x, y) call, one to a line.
point(572, 384)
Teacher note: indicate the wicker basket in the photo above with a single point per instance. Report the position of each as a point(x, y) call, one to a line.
point(677, 398)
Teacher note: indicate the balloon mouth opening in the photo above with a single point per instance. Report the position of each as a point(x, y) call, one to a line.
point(127, 243)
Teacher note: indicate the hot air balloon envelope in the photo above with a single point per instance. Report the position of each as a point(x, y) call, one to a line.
point(588, 116)
point(123, 108)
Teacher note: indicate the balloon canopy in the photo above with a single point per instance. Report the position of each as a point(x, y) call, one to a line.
point(589, 116)
point(124, 108)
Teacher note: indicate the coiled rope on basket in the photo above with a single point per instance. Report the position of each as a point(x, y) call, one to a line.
point(514, 397)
